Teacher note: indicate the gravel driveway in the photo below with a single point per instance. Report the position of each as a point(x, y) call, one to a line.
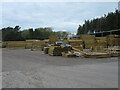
point(23, 68)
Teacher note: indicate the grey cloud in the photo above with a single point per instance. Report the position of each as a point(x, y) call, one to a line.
point(60, 16)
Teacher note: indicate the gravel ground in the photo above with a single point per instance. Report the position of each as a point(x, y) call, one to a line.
point(23, 68)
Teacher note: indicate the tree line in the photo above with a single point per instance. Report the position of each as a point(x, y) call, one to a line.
point(15, 34)
point(111, 21)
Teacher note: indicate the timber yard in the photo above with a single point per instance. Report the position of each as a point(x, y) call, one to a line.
point(57, 46)
point(85, 62)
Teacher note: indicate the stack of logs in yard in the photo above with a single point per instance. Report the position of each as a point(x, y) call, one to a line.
point(85, 46)
point(88, 46)
point(30, 44)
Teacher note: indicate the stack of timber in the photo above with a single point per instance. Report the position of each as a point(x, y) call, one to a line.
point(100, 44)
point(46, 49)
point(35, 49)
point(69, 54)
point(29, 41)
point(74, 38)
point(38, 45)
point(43, 45)
point(76, 42)
point(28, 45)
point(73, 52)
point(66, 49)
point(0, 44)
point(16, 44)
point(46, 41)
point(98, 48)
point(113, 36)
point(4, 44)
point(89, 41)
point(115, 53)
point(97, 54)
point(53, 39)
point(65, 41)
point(55, 51)
point(113, 40)
point(78, 48)
point(114, 50)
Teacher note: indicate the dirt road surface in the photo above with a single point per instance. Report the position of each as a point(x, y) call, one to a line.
point(33, 69)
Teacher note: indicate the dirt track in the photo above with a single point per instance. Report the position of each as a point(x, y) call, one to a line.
point(27, 69)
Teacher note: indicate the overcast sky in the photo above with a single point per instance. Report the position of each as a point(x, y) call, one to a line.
point(65, 16)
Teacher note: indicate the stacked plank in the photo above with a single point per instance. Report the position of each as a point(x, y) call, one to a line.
point(74, 38)
point(66, 49)
point(55, 51)
point(46, 41)
point(100, 44)
point(65, 41)
point(70, 51)
point(113, 40)
point(76, 42)
point(46, 49)
point(0, 44)
point(28, 45)
point(37, 45)
point(43, 45)
point(4, 44)
point(78, 48)
point(23, 44)
point(114, 50)
point(52, 39)
point(69, 54)
point(89, 40)
point(97, 55)
point(16, 44)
